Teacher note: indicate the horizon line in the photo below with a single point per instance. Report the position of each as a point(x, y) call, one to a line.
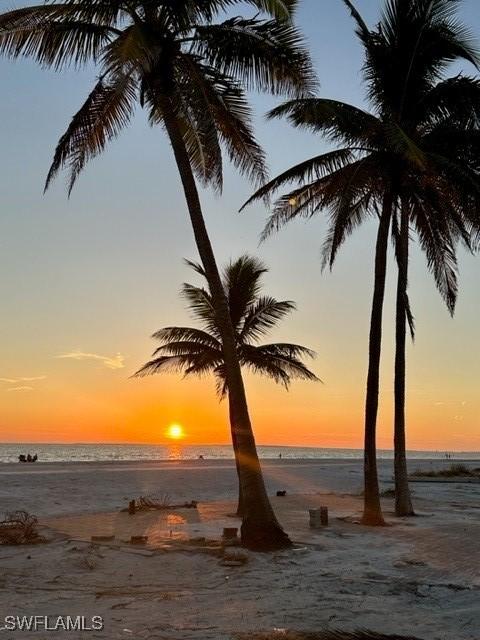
point(225, 444)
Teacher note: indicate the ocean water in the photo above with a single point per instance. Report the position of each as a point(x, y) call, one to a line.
point(177, 451)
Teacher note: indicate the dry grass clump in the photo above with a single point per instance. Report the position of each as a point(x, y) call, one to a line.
point(19, 527)
point(453, 471)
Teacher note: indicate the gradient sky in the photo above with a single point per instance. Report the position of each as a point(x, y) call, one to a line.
point(97, 274)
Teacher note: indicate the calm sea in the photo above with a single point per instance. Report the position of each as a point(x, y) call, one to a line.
point(117, 452)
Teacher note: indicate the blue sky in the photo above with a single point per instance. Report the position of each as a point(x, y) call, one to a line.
point(100, 272)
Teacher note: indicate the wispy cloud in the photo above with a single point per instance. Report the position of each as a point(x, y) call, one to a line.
point(22, 379)
point(23, 388)
point(111, 362)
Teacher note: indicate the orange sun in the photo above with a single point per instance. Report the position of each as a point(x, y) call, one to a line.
point(175, 432)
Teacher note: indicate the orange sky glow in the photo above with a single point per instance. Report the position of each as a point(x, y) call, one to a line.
point(86, 280)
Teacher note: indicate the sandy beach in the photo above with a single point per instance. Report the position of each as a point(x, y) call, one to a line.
point(416, 577)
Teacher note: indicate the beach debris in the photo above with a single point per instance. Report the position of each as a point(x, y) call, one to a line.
point(19, 527)
point(156, 501)
point(318, 517)
point(230, 537)
point(234, 559)
point(388, 493)
point(89, 562)
point(138, 539)
point(281, 494)
point(102, 538)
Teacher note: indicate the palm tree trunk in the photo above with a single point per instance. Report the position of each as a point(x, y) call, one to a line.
point(403, 502)
point(240, 510)
point(372, 511)
point(260, 528)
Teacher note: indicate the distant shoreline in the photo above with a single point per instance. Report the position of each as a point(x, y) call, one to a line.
point(195, 463)
point(218, 445)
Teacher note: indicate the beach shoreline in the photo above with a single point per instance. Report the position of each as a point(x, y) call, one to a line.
point(345, 576)
point(96, 486)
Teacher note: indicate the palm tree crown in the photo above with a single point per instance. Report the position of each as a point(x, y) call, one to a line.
point(420, 142)
point(198, 351)
point(147, 50)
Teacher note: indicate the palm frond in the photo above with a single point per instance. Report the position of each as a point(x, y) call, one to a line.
point(436, 240)
point(227, 106)
point(196, 266)
point(200, 303)
point(410, 317)
point(107, 110)
point(169, 335)
point(280, 361)
point(363, 31)
point(53, 35)
point(307, 171)
point(402, 144)
point(186, 364)
point(338, 121)
point(265, 55)
point(262, 316)
point(455, 99)
point(279, 9)
point(241, 281)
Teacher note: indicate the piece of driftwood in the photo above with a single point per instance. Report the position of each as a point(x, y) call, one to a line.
point(281, 494)
point(158, 502)
point(19, 527)
point(234, 559)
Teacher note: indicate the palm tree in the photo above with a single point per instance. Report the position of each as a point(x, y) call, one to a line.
point(199, 351)
point(411, 161)
point(190, 73)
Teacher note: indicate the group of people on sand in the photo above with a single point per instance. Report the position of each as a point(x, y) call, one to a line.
point(27, 458)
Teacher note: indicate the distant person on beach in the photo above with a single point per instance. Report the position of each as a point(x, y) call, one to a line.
point(27, 458)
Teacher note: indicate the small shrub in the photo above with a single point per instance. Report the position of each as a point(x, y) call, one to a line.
point(453, 471)
point(19, 527)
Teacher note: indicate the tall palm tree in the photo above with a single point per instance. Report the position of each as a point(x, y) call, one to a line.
point(410, 161)
point(190, 72)
point(199, 351)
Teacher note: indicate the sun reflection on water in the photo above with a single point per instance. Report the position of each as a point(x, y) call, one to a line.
point(175, 452)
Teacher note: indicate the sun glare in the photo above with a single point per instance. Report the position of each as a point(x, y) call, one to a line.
point(175, 432)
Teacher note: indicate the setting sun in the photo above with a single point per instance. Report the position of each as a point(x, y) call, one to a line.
point(175, 432)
